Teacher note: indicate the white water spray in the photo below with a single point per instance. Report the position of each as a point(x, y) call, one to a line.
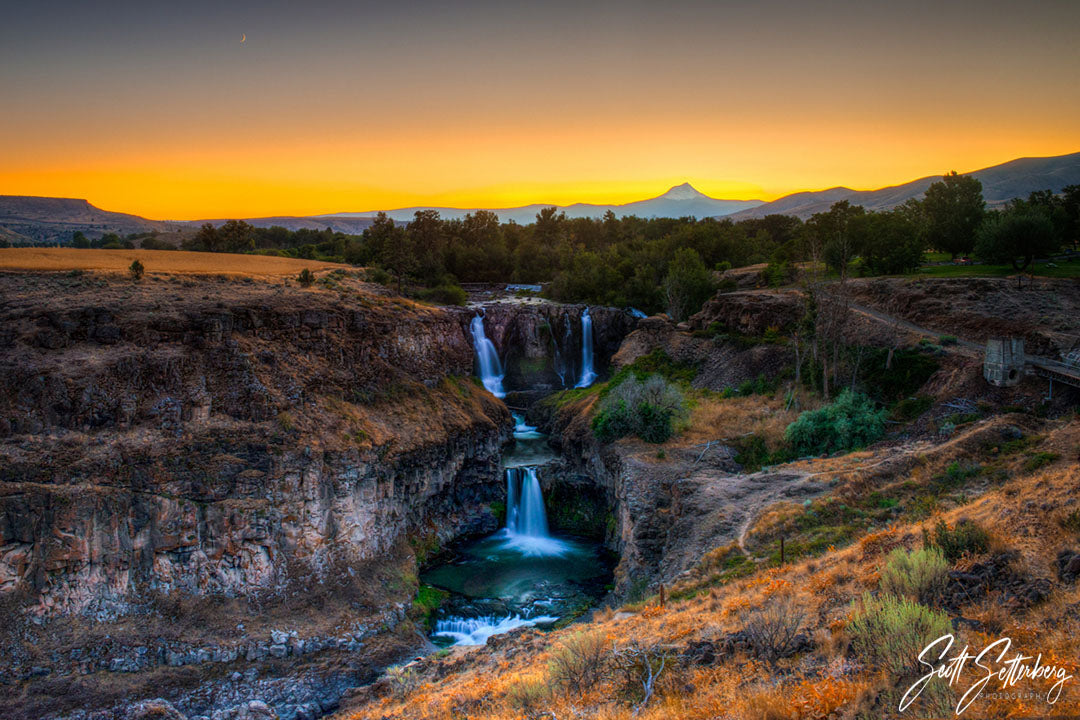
point(487, 360)
point(476, 631)
point(526, 517)
point(588, 375)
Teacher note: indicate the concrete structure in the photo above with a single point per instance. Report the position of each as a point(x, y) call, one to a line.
point(1003, 365)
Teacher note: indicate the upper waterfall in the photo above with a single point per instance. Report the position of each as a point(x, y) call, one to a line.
point(487, 360)
point(588, 374)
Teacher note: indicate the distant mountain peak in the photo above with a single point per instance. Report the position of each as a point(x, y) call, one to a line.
point(686, 191)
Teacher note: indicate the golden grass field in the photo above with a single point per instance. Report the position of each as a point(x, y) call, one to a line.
point(177, 262)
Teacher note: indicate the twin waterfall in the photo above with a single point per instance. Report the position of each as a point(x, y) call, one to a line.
point(490, 369)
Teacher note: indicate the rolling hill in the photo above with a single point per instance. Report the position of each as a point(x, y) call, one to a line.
point(1001, 183)
point(26, 219)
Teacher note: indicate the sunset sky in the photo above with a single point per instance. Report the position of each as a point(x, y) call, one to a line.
point(159, 109)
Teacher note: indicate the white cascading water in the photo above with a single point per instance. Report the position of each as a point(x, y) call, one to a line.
point(588, 375)
point(487, 360)
point(637, 313)
point(526, 517)
point(476, 631)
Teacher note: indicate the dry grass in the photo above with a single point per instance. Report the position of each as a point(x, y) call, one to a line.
point(715, 418)
point(176, 262)
point(819, 684)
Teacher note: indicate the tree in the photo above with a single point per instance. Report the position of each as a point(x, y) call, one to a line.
point(687, 285)
point(1070, 203)
point(832, 230)
point(889, 242)
point(953, 209)
point(235, 236)
point(306, 278)
point(78, 240)
point(205, 240)
point(1016, 237)
point(136, 270)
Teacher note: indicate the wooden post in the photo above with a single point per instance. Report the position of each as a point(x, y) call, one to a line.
point(781, 549)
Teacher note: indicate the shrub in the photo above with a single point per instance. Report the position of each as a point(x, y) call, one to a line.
point(851, 422)
point(966, 538)
point(956, 474)
point(136, 270)
point(427, 601)
point(647, 409)
point(306, 277)
point(637, 669)
point(773, 630)
point(1071, 522)
point(445, 295)
point(920, 575)
point(579, 662)
point(401, 681)
point(529, 695)
point(910, 408)
point(890, 632)
point(948, 340)
point(1039, 459)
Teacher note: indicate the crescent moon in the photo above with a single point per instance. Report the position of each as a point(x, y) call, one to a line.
point(243, 37)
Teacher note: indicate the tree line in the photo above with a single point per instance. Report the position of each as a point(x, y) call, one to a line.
point(669, 264)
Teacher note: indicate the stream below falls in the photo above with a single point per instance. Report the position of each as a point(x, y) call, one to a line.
point(524, 574)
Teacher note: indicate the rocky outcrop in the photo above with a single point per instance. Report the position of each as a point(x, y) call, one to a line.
point(222, 461)
point(721, 362)
point(750, 312)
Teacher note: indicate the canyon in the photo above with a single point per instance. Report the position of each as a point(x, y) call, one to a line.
point(226, 497)
point(222, 478)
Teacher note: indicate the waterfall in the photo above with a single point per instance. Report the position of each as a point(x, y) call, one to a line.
point(487, 360)
point(588, 375)
point(476, 631)
point(526, 517)
point(634, 312)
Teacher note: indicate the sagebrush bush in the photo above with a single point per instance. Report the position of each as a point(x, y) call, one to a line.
point(852, 421)
point(920, 575)
point(965, 538)
point(529, 695)
point(579, 662)
point(890, 632)
point(773, 631)
point(640, 670)
point(648, 409)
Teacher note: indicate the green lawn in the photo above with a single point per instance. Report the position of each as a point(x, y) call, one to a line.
point(1063, 270)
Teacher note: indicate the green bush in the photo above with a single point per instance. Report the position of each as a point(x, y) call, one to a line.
point(920, 575)
point(613, 422)
point(647, 409)
point(306, 278)
point(136, 270)
point(852, 421)
point(1039, 459)
point(890, 632)
point(427, 601)
point(910, 408)
point(966, 537)
point(445, 295)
